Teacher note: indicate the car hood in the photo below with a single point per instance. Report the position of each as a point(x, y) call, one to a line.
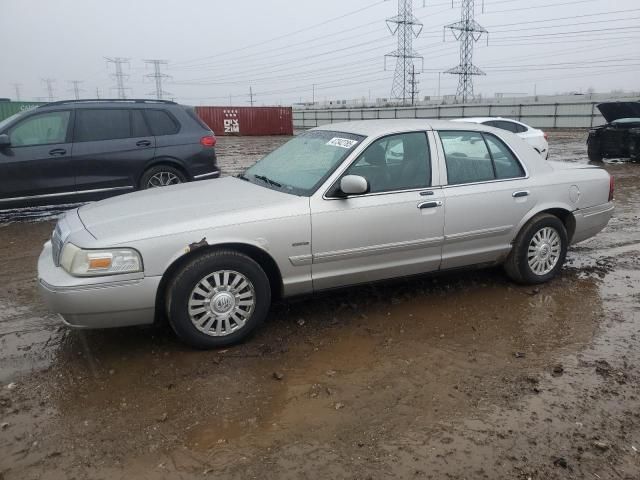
point(181, 208)
point(615, 110)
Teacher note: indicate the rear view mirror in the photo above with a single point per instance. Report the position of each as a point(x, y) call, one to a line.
point(5, 141)
point(354, 185)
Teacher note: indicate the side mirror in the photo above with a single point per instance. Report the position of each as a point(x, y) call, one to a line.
point(5, 141)
point(354, 185)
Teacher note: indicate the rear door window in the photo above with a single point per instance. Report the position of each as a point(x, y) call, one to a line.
point(161, 122)
point(506, 165)
point(477, 157)
point(139, 126)
point(102, 124)
point(43, 129)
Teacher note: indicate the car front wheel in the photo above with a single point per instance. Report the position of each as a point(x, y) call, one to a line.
point(538, 251)
point(218, 299)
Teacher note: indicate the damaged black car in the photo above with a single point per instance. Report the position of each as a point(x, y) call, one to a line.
point(620, 137)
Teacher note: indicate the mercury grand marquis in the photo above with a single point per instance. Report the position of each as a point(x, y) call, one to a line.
point(338, 205)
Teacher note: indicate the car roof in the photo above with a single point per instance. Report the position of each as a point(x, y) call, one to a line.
point(372, 128)
point(106, 103)
point(483, 119)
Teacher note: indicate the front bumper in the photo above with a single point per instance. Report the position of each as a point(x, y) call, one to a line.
point(98, 302)
point(589, 221)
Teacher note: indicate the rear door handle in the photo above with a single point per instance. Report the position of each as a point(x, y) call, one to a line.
point(57, 151)
point(143, 143)
point(521, 193)
point(432, 204)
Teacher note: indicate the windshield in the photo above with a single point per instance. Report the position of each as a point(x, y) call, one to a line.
point(10, 119)
point(304, 162)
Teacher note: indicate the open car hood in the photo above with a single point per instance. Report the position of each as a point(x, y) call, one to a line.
point(612, 111)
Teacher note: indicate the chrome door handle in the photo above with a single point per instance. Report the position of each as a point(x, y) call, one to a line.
point(521, 193)
point(433, 204)
point(57, 151)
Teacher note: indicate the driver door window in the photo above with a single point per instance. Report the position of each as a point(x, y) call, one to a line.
point(43, 129)
point(396, 162)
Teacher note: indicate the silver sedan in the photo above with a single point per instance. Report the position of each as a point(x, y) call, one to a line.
point(335, 206)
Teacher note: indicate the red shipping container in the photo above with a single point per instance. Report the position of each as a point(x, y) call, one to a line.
point(248, 120)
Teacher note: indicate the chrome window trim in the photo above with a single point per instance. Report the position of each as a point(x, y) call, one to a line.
point(495, 180)
point(62, 194)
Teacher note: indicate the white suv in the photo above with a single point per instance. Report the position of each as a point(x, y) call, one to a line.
point(533, 136)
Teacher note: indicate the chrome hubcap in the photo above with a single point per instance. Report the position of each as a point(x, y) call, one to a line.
point(221, 303)
point(544, 251)
point(162, 179)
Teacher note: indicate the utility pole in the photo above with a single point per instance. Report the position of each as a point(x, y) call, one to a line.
point(76, 88)
point(97, 93)
point(406, 27)
point(17, 86)
point(250, 95)
point(119, 75)
point(157, 77)
point(313, 94)
point(467, 31)
point(49, 83)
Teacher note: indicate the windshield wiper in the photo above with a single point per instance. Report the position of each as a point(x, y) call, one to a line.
point(268, 181)
point(242, 176)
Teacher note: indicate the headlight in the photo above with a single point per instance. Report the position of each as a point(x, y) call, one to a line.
point(88, 263)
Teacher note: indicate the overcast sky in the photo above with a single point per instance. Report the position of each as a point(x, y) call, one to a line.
point(282, 48)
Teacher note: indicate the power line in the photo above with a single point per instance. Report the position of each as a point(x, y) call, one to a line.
point(406, 27)
point(49, 84)
point(76, 88)
point(157, 77)
point(467, 31)
point(119, 75)
point(17, 86)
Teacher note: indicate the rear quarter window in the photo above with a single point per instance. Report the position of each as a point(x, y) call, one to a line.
point(161, 122)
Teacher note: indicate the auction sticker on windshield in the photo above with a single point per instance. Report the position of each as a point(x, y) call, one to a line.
point(342, 142)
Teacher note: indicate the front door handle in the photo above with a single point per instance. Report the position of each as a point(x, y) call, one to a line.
point(57, 151)
point(143, 143)
point(521, 193)
point(433, 204)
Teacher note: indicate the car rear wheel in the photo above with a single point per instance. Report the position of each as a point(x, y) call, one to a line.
point(538, 251)
point(593, 151)
point(161, 176)
point(218, 299)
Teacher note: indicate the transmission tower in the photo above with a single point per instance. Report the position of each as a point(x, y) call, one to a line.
point(49, 83)
point(17, 88)
point(157, 77)
point(414, 85)
point(76, 88)
point(119, 75)
point(467, 31)
point(406, 26)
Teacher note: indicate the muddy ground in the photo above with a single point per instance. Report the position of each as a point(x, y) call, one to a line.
point(461, 376)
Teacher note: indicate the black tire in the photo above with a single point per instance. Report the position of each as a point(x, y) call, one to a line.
point(182, 286)
point(162, 170)
point(517, 264)
point(593, 151)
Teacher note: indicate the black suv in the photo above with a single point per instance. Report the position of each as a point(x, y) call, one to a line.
point(75, 151)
